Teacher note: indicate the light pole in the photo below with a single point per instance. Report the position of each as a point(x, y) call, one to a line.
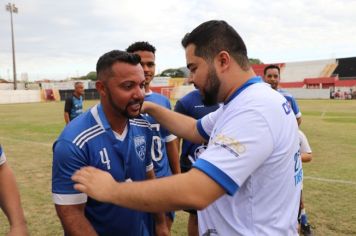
point(13, 9)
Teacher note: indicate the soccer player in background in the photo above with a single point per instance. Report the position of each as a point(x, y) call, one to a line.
point(306, 155)
point(272, 76)
point(73, 105)
point(245, 182)
point(113, 137)
point(10, 201)
point(193, 106)
point(166, 157)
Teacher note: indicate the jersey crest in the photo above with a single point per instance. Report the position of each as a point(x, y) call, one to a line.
point(140, 146)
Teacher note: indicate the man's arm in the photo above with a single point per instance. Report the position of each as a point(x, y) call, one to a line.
point(74, 221)
point(173, 155)
point(67, 108)
point(306, 157)
point(178, 124)
point(193, 189)
point(299, 120)
point(66, 117)
point(10, 201)
point(159, 218)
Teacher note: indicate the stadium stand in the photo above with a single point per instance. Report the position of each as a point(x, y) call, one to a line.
point(298, 71)
point(346, 68)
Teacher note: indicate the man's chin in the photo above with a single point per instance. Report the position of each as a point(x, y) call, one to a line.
point(132, 115)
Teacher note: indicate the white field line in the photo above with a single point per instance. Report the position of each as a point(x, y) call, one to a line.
point(324, 111)
point(331, 180)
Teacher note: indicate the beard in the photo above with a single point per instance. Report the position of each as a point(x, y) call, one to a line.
point(211, 90)
point(124, 112)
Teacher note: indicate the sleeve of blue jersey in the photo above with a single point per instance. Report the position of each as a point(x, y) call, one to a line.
point(66, 161)
point(217, 175)
point(201, 130)
point(179, 107)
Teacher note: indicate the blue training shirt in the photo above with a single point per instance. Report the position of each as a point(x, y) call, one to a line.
point(192, 105)
point(159, 152)
point(89, 141)
point(74, 106)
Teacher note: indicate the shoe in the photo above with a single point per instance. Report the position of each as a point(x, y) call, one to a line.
point(306, 230)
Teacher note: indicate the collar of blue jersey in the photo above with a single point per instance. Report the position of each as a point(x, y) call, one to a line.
point(253, 80)
point(102, 117)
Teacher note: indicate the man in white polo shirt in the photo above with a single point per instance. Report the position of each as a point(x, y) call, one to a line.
point(247, 181)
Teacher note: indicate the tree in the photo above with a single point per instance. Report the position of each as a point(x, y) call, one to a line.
point(255, 61)
point(92, 76)
point(174, 73)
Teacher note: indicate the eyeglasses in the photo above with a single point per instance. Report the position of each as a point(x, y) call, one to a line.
point(272, 76)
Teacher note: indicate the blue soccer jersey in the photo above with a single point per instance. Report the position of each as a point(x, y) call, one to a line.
point(192, 105)
point(293, 103)
point(159, 153)
point(89, 141)
point(2, 156)
point(74, 106)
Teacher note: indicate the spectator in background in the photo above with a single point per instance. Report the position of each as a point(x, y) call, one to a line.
point(193, 106)
point(73, 106)
point(166, 158)
point(271, 75)
point(10, 199)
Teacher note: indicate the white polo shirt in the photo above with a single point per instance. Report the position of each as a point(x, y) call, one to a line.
point(304, 144)
point(253, 153)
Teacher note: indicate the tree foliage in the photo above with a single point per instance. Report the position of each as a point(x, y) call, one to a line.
point(90, 76)
point(255, 61)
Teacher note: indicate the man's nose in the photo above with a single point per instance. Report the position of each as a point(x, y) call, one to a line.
point(139, 93)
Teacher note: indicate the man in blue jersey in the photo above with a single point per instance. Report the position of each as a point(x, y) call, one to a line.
point(165, 157)
point(247, 181)
point(113, 137)
point(10, 199)
point(73, 105)
point(272, 76)
point(193, 106)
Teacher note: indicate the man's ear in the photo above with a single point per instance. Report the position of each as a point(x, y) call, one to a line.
point(100, 87)
point(223, 60)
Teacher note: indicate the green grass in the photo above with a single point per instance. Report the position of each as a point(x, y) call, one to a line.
point(27, 132)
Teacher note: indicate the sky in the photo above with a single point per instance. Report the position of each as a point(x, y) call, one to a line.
point(63, 39)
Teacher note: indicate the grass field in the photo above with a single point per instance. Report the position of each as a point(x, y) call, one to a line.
point(27, 132)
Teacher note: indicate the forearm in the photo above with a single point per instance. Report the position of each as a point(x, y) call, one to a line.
point(173, 155)
point(74, 221)
point(66, 117)
point(306, 157)
point(299, 120)
point(193, 189)
point(10, 197)
point(178, 124)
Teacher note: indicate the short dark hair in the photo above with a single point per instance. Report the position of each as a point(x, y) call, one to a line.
point(214, 36)
point(141, 46)
point(271, 67)
point(77, 83)
point(105, 62)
